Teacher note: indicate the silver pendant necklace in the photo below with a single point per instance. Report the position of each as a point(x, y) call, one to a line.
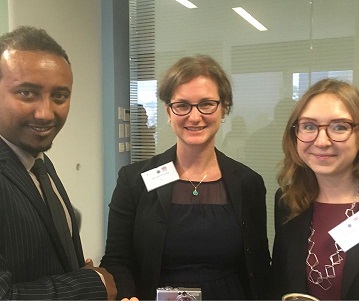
point(195, 192)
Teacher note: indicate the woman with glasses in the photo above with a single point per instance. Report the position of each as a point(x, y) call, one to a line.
point(195, 218)
point(316, 248)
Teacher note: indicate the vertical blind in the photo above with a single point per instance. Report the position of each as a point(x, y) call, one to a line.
point(269, 70)
point(142, 73)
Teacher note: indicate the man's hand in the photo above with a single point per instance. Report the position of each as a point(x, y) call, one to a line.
point(106, 278)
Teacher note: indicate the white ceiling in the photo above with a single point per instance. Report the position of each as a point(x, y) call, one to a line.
point(286, 20)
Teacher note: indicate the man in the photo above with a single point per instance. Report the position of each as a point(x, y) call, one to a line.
point(36, 260)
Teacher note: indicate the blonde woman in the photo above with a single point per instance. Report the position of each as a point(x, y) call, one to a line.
point(319, 189)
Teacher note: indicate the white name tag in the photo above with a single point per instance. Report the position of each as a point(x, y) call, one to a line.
point(346, 234)
point(160, 176)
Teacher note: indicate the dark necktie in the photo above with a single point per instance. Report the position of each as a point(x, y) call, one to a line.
point(56, 210)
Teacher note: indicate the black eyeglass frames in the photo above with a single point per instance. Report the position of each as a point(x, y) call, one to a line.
point(183, 108)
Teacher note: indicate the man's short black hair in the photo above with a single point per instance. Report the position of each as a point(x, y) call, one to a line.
point(28, 38)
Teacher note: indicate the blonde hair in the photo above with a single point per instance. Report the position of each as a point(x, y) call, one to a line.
point(297, 181)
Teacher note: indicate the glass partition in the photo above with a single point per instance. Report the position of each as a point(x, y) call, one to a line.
point(304, 42)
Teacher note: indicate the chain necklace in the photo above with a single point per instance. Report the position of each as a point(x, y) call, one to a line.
point(315, 276)
point(195, 192)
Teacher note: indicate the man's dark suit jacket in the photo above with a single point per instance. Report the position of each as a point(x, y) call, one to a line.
point(290, 252)
point(33, 264)
point(138, 222)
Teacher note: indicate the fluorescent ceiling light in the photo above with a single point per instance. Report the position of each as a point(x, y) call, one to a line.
point(246, 16)
point(187, 3)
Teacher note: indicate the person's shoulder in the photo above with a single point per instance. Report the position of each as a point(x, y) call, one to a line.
point(143, 165)
point(282, 216)
point(148, 164)
point(241, 167)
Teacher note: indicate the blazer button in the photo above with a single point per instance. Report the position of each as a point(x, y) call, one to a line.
point(248, 251)
point(244, 224)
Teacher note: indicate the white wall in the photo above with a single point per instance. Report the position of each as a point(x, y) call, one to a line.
point(76, 25)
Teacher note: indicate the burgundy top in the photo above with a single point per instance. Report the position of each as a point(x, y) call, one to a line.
point(326, 217)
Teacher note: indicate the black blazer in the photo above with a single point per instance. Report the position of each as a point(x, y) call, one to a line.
point(138, 222)
point(290, 252)
point(33, 264)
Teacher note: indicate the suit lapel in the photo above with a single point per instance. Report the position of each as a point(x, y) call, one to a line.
point(298, 249)
point(14, 170)
point(232, 182)
point(297, 255)
point(165, 192)
point(297, 260)
point(351, 269)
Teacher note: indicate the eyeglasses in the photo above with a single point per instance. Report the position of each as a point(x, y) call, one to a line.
point(206, 107)
point(337, 131)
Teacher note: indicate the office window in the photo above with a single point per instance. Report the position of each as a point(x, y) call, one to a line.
point(301, 80)
point(144, 120)
point(269, 70)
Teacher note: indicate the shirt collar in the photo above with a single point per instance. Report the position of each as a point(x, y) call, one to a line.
point(26, 159)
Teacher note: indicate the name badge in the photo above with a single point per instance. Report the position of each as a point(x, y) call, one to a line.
point(160, 176)
point(346, 233)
